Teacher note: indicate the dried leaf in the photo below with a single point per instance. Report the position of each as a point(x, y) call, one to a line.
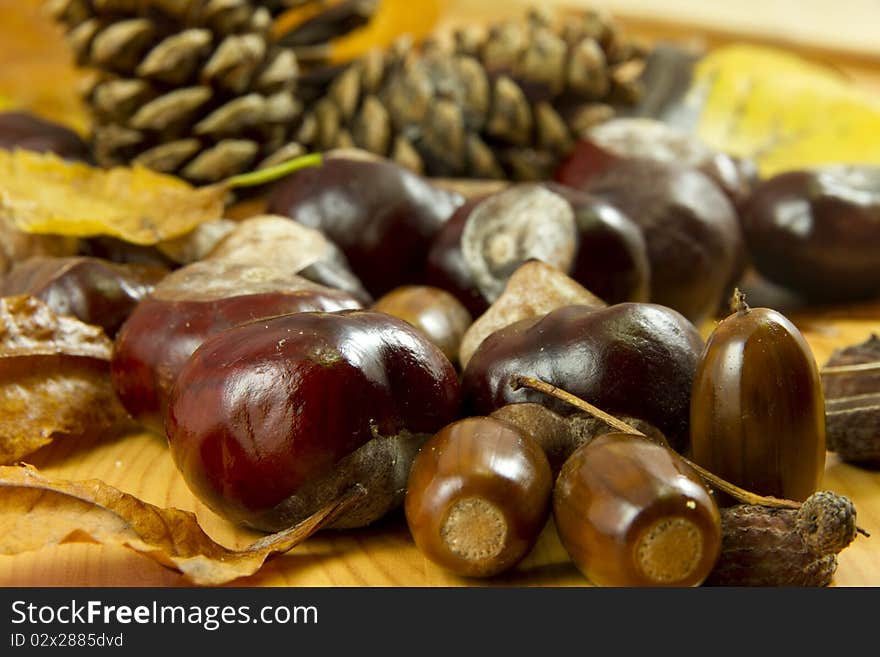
point(43, 194)
point(36, 512)
point(54, 378)
point(16, 245)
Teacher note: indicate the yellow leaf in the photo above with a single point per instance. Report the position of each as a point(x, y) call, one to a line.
point(5, 104)
point(41, 193)
point(782, 110)
point(415, 18)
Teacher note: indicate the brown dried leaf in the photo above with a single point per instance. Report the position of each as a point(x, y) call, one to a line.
point(16, 246)
point(36, 512)
point(43, 194)
point(54, 378)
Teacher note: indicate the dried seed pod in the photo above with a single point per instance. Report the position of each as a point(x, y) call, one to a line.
point(435, 312)
point(757, 412)
point(763, 546)
point(477, 497)
point(633, 513)
point(851, 383)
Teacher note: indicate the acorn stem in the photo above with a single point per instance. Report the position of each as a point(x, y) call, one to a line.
point(740, 494)
point(738, 302)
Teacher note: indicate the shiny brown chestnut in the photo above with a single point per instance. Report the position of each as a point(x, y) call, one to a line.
point(191, 304)
point(435, 312)
point(757, 410)
point(380, 214)
point(817, 232)
point(630, 512)
point(623, 138)
point(445, 266)
point(692, 231)
point(533, 290)
point(488, 238)
point(93, 290)
point(271, 420)
point(612, 256)
point(633, 359)
point(478, 496)
point(35, 133)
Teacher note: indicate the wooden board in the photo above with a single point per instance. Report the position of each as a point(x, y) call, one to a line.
point(36, 73)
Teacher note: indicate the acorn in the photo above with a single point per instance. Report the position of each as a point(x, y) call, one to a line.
point(478, 496)
point(631, 512)
point(757, 409)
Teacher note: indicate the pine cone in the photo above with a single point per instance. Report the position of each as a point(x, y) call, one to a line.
point(198, 87)
point(506, 102)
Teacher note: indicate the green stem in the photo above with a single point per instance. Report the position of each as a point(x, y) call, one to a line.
point(273, 173)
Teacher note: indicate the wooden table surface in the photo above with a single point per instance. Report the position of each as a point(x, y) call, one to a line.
point(35, 73)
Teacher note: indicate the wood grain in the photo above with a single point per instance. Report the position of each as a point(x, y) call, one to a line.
point(35, 73)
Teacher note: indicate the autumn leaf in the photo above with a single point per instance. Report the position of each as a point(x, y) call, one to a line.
point(41, 193)
point(782, 110)
point(54, 378)
point(36, 511)
point(16, 245)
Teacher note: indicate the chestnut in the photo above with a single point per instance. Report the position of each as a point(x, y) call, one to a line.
point(692, 233)
point(635, 359)
point(581, 235)
point(35, 133)
point(186, 307)
point(817, 232)
point(478, 496)
point(757, 410)
point(270, 420)
point(624, 138)
point(633, 513)
point(612, 257)
point(380, 214)
point(445, 266)
point(93, 290)
point(534, 289)
point(435, 312)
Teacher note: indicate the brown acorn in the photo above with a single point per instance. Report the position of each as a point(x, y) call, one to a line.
point(478, 495)
point(633, 513)
point(757, 410)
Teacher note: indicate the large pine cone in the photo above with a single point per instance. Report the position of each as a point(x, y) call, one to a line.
point(195, 87)
point(505, 102)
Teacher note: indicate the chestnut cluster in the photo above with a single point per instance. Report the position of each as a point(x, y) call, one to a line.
point(374, 330)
